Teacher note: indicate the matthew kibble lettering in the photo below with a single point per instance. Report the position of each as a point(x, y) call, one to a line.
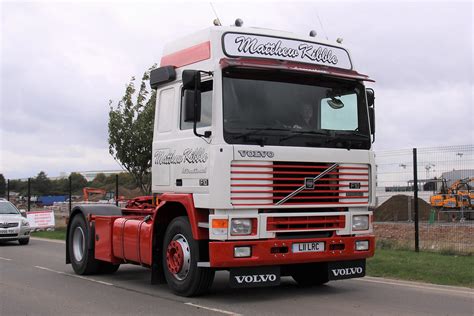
point(251, 45)
point(189, 155)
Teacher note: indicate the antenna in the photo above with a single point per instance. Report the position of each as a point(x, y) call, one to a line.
point(322, 27)
point(217, 21)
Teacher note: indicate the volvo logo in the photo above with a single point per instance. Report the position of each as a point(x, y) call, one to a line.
point(256, 153)
point(347, 271)
point(256, 278)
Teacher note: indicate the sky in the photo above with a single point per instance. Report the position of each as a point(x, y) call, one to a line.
point(61, 62)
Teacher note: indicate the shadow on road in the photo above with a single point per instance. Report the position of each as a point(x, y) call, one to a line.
point(138, 279)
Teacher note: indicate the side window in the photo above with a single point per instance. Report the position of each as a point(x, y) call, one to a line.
point(206, 107)
point(343, 119)
point(165, 110)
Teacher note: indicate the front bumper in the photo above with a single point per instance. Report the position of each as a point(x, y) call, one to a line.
point(272, 251)
point(11, 234)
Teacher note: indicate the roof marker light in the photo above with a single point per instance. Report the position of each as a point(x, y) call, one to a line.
point(239, 22)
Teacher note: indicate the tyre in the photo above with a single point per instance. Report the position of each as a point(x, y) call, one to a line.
point(310, 274)
point(82, 258)
point(108, 268)
point(24, 241)
point(180, 257)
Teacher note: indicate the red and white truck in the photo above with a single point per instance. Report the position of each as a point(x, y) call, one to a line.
point(262, 166)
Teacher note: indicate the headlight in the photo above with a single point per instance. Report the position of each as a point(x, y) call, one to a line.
point(360, 222)
point(241, 226)
point(24, 222)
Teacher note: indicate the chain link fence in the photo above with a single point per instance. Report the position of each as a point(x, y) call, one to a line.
point(445, 178)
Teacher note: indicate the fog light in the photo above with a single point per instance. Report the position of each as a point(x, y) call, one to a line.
point(360, 222)
point(242, 252)
point(362, 245)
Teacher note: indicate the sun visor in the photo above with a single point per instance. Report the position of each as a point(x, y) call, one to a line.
point(161, 76)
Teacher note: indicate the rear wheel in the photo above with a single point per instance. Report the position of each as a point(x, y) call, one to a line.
point(310, 274)
point(82, 258)
point(180, 257)
point(108, 268)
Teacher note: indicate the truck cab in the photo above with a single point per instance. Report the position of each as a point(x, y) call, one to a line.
point(261, 164)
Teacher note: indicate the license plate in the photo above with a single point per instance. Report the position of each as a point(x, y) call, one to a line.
point(308, 247)
point(7, 231)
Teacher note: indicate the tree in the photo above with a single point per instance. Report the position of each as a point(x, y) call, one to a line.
point(131, 131)
point(78, 182)
point(98, 181)
point(41, 184)
point(3, 185)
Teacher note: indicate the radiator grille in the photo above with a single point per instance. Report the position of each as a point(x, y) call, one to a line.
point(266, 183)
point(8, 225)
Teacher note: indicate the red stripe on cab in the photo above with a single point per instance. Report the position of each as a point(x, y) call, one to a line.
point(188, 55)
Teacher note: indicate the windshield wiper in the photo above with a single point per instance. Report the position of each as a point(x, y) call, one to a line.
point(303, 132)
point(351, 133)
point(258, 130)
point(348, 138)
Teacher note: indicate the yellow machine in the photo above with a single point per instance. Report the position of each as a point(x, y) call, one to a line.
point(459, 195)
point(437, 200)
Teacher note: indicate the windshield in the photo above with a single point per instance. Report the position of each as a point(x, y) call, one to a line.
point(289, 109)
point(7, 208)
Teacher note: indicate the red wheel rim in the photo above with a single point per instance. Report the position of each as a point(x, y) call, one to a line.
point(174, 257)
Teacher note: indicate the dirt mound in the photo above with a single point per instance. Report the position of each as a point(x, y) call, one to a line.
point(398, 208)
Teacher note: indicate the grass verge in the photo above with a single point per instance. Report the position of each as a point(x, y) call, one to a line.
point(427, 267)
point(58, 233)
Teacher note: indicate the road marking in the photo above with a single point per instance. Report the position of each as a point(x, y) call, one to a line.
point(6, 259)
point(212, 309)
point(73, 275)
point(416, 285)
point(56, 241)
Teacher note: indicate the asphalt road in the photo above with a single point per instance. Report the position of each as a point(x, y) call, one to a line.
point(35, 281)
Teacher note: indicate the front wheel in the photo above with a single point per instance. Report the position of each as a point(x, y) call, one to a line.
point(24, 241)
point(180, 253)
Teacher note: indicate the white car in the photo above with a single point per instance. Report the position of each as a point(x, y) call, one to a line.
point(13, 225)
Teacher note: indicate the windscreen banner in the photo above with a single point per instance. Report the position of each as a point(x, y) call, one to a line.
point(250, 45)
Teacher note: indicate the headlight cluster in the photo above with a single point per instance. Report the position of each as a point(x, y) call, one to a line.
point(25, 222)
point(236, 227)
point(360, 222)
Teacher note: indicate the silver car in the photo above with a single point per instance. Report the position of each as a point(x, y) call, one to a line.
point(13, 225)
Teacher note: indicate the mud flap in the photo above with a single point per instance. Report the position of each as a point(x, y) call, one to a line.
point(346, 269)
point(255, 277)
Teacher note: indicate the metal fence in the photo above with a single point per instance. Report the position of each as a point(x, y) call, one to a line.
point(61, 195)
point(396, 225)
point(443, 173)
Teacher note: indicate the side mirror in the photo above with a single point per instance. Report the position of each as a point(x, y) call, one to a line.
point(371, 103)
point(190, 98)
point(191, 80)
point(372, 120)
point(370, 97)
point(23, 213)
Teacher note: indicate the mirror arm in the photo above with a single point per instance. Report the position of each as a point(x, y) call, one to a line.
point(206, 134)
